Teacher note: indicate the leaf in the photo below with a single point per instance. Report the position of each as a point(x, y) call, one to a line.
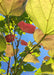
point(23, 54)
point(19, 71)
point(30, 44)
point(1, 18)
point(47, 43)
point(12, 7)
point(24, 42)
point(9, 51)
point(46, 68)
point(30, 58)
point(51, 53)
point(28, 67)
point(52, 66)
point(46, 58)
point(36, 54)
point(2, 71)
point(2, 43)
point(38, 72)
point(50, 61)
point(42, 14)
point(25, 27)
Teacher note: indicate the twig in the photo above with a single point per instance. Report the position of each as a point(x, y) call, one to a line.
point(8, 66)
point(16, 53)
point(12, 45)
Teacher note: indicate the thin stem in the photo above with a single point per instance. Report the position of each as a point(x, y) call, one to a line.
point(33, 41)
point(17, 52)
point(9, 57)
point(12, 45)
point(18, 44)
point(8, 66)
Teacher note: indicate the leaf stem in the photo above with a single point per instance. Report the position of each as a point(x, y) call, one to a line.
point(39, 41)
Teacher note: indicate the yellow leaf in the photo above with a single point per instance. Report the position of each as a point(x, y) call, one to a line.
point(52, 66)
point(30, 58)
point(51, 53)
point(41, 12)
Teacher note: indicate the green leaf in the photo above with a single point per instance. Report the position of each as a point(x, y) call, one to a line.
point(6, 58)
point(46, 68)
point(50, 61)
point(29, 67)
point(2, 43)
point(19, 71)
point(23, 54)
point(42, 14)
point(1, 18)
point(2, 71)
point(30, 44)
point(38, 72)
point(36, 54)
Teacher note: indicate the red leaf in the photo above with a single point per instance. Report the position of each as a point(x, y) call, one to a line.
point(46, 58)
point(9, 39)
point(24, 42)
point(25, 27)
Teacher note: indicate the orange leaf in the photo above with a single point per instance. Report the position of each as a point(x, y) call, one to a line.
point(47, 43)
point(9, 51)
point(12, 7)
point(46, 58)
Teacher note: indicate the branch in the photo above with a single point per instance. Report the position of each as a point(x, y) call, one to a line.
point(32, 49)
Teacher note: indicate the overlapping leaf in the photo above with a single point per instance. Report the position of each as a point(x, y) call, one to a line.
point(41, 13)
point(47, 43)
point(12, 7)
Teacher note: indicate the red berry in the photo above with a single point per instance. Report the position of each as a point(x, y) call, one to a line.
point(25, 27)
point(9, 39)
point(24, 42)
